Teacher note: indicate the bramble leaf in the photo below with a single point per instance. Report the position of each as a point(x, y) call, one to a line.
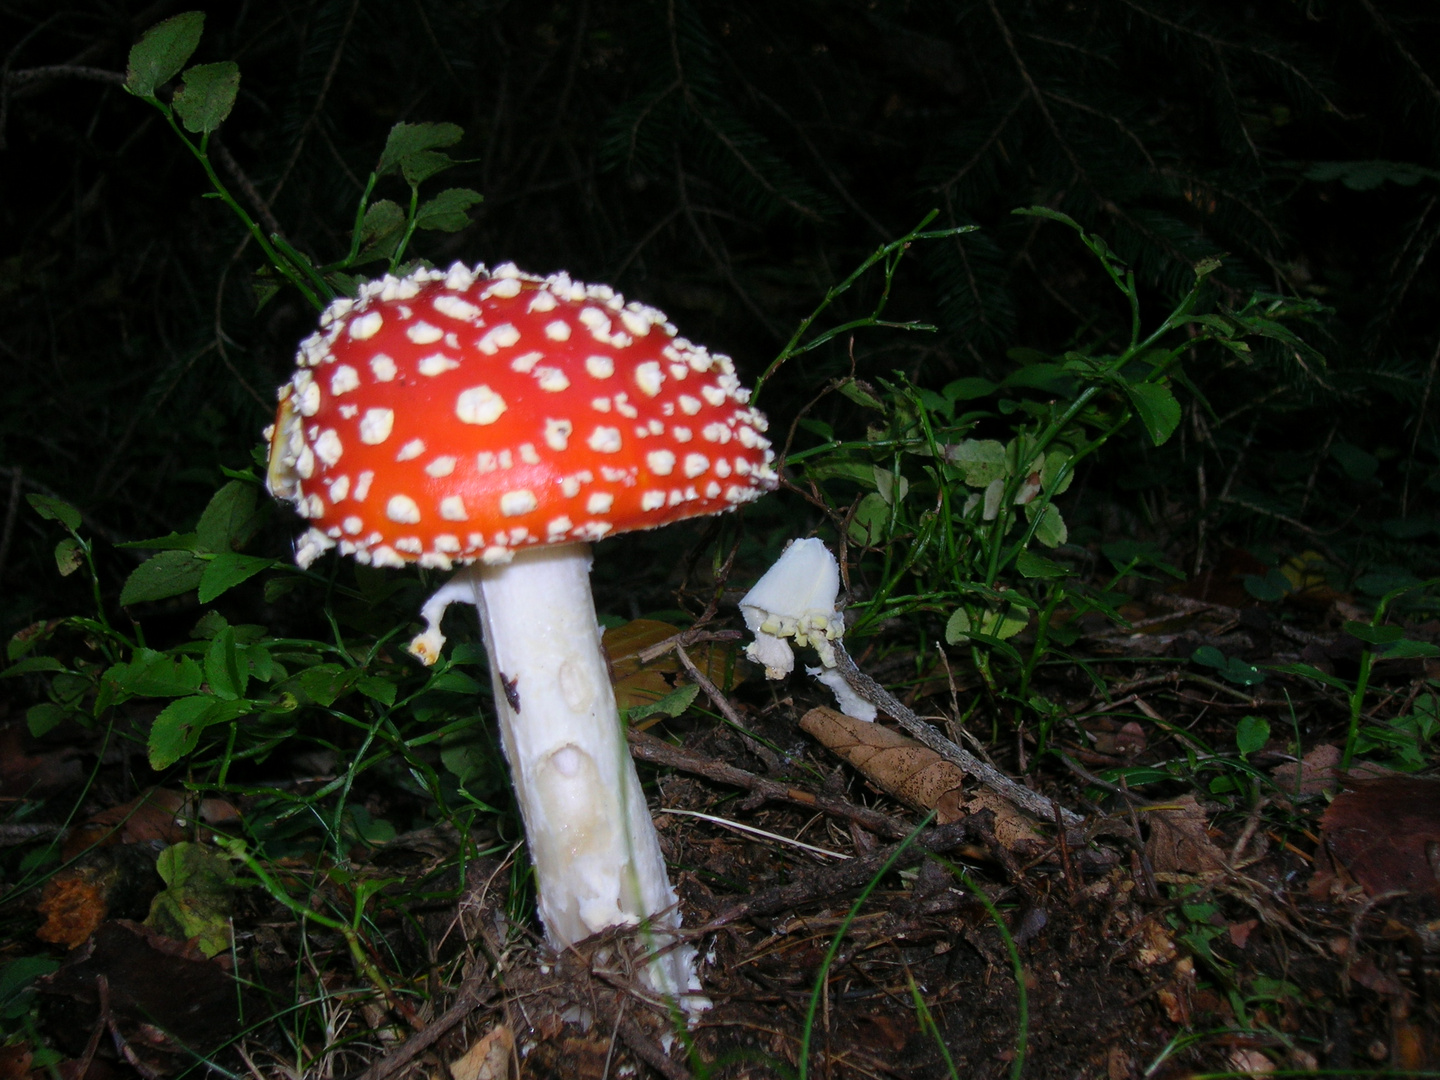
point(161, 576)
point(207, 95)
point(55, 510)
point(448, 211)
point(1157, 408)
point(412, 149)
point(162, 51)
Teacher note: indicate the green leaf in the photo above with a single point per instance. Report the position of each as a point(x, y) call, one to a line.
point(15, 979)
point(448, 211)
point(1251, 734)
point(156, 674)
point(161, 576)
point(170, 542)
point(44, 717)
point(162, 51)
point(324, 684)
point(860, 394)
point(176, 731)
point(872, 518)
point(672, 704)
point(195, 906)
point(1157, 408)
point(1373, 635)
point(224, 572)
point(1405, 649)
point(1309, 672)
point(377, 689)
point(991, 622)
point(55, 510)
point(206, 96)
point(1052, 530)
point(980, 460)
point(69, 556)
point(225, 670)
point(412, 149)
point(1031, 565)
point(381, 230)
point(969, 389)
point(32, 664)
point(1358, 464)
point(229, 520)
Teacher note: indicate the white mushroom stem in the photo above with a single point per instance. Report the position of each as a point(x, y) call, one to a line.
point(593, 844)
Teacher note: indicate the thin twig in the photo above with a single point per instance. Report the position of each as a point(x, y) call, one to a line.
point(474, 992)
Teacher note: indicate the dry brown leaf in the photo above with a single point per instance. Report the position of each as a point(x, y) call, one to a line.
point(1384, 832)
point(914, 774)
point(1179, 842)
point(489, 1057)
point(73, 908)
point(644, 684)
point(1319, 771)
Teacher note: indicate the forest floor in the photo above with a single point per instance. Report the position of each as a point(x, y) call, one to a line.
point(1229, 902)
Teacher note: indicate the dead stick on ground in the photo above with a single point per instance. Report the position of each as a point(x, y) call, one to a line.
point(1031, 801)
point(652, 750)
point(474, 992)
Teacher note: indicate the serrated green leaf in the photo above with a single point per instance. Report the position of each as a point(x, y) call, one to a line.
point(381, 230)
point(195, 906)
point(162, 51)
point(230, 519)
point(156, 674)
point(206, 96)
point(377, 689)
point(1157, 408)
point(69, 556)
point(413, 150)
point(448, 211)
point(171, 542)
point(176, 731)
point(161, 576)
point(224, 572)
point(55, 510)
point(324, 684)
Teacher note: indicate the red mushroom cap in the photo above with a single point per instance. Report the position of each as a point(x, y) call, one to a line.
point(453, 416)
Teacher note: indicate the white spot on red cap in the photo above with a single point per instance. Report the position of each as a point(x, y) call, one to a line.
point(376, 425)
point(528, 454)
point(362, 485)
point(636, 322)
point(339, 488)
point(600, 404)
point(411, 544)
point(452, 508)
point(652, 500)
point(604, 440)
point(441, 466)
point(383, 367)
point(559, 330)
point(402, 510)
point(542, 301)
point(551, 379)
point(722, 468)
point(526, 363)
point(479, 405)
point(648, 378)
point(558, 527)
point(422, 333)
point(681, 433)
point(712, 490)
point(557, 433)
point(447, 542)
point(713, 394)
point(624, 408)
point(436, 364)
point(716, 433)
point(505, 288)
point(655, 427)
point(455, 307)
point(328, 446)
point(599, 502)
point(497, 338)
point(344, 379)
point(352, 524)
point(593, 530)
point(366, 326)
point(412, 449)
point(600, 367)
point(515, 503)
point(661, 462)
point(689, 405)
point(695, 465)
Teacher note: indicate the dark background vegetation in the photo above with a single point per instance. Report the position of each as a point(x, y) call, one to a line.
point(728, 162)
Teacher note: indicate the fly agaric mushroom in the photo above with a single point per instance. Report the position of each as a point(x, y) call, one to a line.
point(502, 421)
